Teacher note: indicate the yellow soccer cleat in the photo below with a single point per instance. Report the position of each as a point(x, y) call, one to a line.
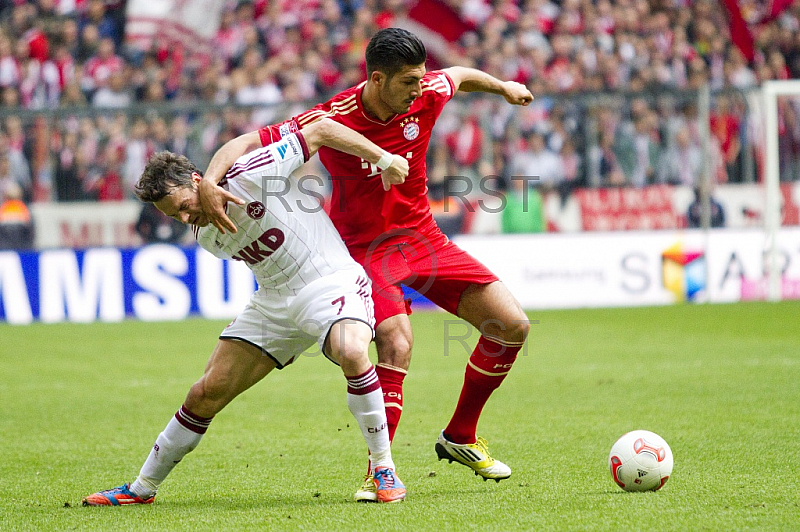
point(473, 455)
point(367, 492)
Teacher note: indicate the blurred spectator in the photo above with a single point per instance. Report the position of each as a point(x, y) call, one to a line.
point(70, 37)
point(682, 163)
point(228, 42)
point(72, 96)
point(255, 82)
point(572, 164)
point(49, 20)
point(638, 148)
point(694, 216)
point(95, 14)
point(725, 127)
point(100, 66)
point(39, 84)
point(7, 178)
point(159, 138)
point(10, 73)
point(604, 160)
point(738, 73)
point(10, 97)
point(12, 144)
point(115, 94)
point(105, 183)
point(789, 139)
point(71, 169)
point(137, 152)
point(64, 66)
point(465, 148)
point(88, 43)
point(179, 136)
point(534, 160)
point(16, 224)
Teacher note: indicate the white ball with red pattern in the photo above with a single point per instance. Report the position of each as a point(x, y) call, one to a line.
point(640, 461)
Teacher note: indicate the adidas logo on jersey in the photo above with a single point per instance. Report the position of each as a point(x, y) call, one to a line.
point(284, 146)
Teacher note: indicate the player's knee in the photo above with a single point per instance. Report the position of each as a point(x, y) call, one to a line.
point(208, 396)
point(394, 349)
point(512, 329)
point(354, 348)
point(520, 328)
point(349, 341)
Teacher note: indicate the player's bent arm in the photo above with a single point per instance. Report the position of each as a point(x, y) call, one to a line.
point(473, 80)
point(213, 198)
point(328, 133)
point(224, 158)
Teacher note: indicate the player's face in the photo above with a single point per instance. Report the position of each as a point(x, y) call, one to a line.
point(183, 204)
point(400, 91)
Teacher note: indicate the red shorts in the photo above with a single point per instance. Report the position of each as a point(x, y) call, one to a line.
point(430, 264)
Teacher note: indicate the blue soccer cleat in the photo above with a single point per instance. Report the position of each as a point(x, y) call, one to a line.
point(388, 488)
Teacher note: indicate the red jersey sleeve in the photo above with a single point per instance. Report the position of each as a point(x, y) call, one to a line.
point(336, 108)
point(442, 88)
point(275, 132)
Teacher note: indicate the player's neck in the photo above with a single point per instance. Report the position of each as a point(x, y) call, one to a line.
point(373, 104)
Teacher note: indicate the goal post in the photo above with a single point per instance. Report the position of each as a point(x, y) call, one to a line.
point(771, 90)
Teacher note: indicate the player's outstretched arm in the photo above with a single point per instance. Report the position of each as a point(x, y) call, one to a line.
point(326, 132)
point(213, 198)
point(473, 80)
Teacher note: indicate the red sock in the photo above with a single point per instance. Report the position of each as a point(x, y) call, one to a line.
point(487, 367)
point(391, 378)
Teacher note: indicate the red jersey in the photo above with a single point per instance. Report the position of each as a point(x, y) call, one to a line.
point(360, 209)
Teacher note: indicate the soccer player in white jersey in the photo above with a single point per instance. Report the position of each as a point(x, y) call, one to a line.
point(310, 289)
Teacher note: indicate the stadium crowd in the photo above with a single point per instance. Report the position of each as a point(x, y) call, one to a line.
point(69, 58)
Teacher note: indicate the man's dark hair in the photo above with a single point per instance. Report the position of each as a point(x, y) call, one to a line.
point(164, 172)
point(391, 49)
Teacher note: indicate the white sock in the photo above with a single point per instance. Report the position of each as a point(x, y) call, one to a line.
point(180, 437)
point(365, 400)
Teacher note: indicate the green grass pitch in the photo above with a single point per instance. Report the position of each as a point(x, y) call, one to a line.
point(80, 406)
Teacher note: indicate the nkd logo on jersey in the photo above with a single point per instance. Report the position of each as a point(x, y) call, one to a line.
point(253, 253)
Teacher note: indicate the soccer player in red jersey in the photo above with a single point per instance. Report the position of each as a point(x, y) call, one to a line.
point(387, 226)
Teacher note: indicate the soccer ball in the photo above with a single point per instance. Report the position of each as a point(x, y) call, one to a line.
point(640, 461)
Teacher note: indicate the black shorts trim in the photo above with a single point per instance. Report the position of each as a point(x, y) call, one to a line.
point(264, 351)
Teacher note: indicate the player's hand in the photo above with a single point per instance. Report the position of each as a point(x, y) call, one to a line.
point(396, 173)
point(517, 93)
point(213, 200)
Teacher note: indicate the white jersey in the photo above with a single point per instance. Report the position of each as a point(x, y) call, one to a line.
point(283, 235)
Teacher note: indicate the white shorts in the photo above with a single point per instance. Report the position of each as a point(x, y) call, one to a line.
point(284, 327)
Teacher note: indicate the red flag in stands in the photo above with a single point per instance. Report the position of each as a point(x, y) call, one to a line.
point(438, 25)
point(740, 33)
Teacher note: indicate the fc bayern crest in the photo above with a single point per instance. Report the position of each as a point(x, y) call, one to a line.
point(255, 210)
point(410, 128)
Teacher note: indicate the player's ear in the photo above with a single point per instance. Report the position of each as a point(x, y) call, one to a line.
point(196, 178)
point(377, 77)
